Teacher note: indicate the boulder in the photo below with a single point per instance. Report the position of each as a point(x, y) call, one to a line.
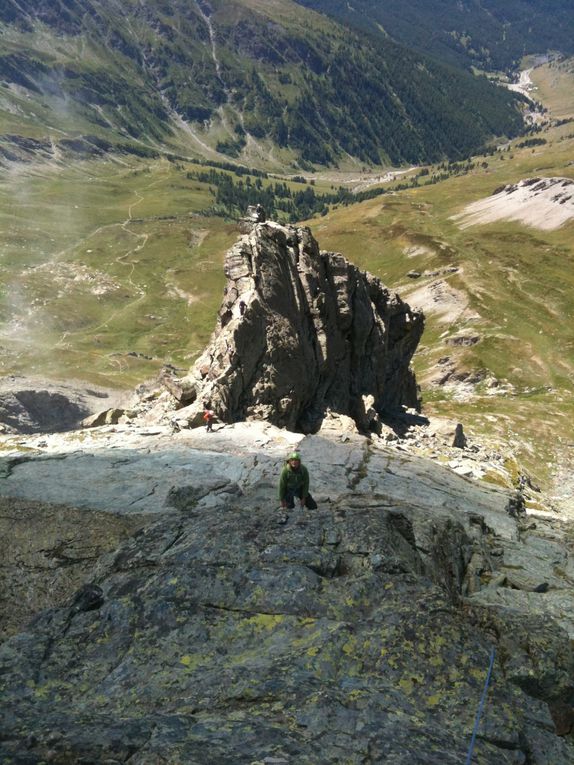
point(35, 405)
point(459, 440)
point(106, 417)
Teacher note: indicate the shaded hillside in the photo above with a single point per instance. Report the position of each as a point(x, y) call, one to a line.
point(233, 78)
point(493, 34)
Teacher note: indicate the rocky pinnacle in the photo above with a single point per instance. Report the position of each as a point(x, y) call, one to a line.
point(301, 332)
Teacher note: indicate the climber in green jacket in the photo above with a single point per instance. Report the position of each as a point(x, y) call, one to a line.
point(294, 482)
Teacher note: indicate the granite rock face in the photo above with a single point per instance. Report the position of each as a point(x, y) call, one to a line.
point(223, 632)
point(301, 332)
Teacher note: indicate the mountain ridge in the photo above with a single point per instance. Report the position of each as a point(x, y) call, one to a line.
point(211, 628)
point(244, 77)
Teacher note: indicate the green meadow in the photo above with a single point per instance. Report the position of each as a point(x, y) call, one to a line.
point(516, 285)
point(108, 270)
point(111, 269)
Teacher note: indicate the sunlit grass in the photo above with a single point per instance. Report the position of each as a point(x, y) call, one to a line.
point(555, 87)
point(113, 276)
point(519, 283)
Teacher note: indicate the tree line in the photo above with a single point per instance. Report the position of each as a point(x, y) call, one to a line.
point(232, 196)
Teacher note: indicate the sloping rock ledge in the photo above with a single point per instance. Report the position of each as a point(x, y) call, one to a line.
point(223, 632)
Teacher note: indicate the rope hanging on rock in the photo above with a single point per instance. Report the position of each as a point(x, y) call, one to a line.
point(480, 707)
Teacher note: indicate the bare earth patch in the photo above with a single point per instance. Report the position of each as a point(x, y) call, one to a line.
point(414, 251)
point(442, 300)
point(545, 203)
point(69, 276)
point(176, 292)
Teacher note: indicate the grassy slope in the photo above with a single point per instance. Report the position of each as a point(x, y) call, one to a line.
point(280, 85)
point(103, 260)
point(519, 280)
point(71, 85)
point(555, 87)
point(108, 270)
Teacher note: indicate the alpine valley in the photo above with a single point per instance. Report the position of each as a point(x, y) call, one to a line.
point(401, 312)
point(128, 130)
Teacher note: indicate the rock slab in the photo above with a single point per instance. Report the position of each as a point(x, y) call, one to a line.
point(221, 632)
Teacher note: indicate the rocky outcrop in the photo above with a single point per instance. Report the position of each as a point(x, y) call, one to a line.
point(223, 632)
point(301, 332)
point(34, 405)
point(546, 203)
point(47, 551)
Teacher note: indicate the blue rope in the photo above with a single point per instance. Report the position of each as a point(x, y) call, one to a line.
point(480, 707)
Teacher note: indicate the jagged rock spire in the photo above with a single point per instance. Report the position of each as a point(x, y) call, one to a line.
point(301, 332)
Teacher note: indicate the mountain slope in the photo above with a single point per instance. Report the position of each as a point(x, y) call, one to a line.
point(490, 34)
point(239, 78)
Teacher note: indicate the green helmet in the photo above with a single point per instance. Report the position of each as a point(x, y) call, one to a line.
point(294, 456)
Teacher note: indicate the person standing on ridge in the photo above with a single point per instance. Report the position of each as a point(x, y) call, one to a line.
point(294, 482)
point(208, 416)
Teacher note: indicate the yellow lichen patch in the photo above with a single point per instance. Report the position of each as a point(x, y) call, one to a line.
point(453, 675)
point(433, 700)
point(47, 689)
point(350, 647)
point(356, 694)
point(266, 622)
point(193, 661)
point(236, 715)
point(313, 651)
point(406, 685)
